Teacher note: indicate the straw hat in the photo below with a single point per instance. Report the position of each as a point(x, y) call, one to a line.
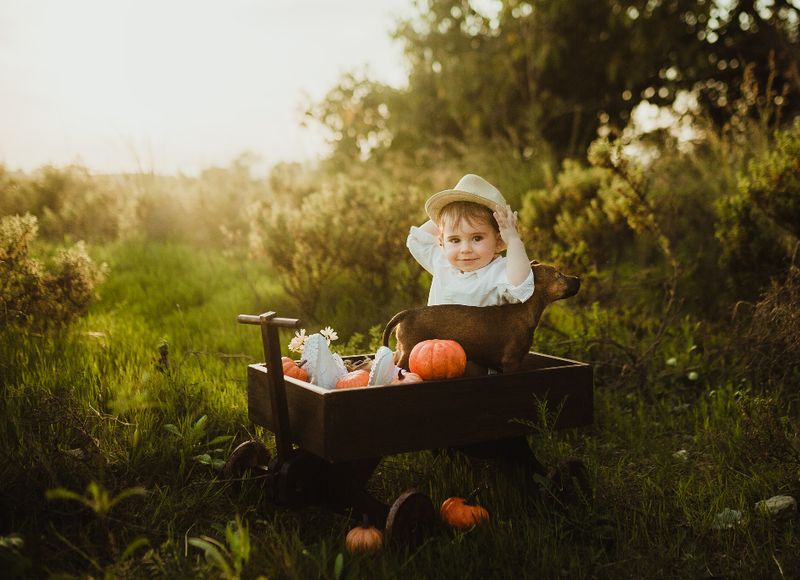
point(469, 188)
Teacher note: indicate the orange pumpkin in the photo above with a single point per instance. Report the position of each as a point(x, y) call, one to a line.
point(292, 369)
point(358, 378)
point(437, 359)
point(364, 539)
point(462, 514)
point(406, 378)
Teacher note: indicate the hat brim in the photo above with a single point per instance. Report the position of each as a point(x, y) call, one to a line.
point(435, 203)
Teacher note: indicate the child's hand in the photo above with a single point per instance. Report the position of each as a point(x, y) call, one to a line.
point(507, 221)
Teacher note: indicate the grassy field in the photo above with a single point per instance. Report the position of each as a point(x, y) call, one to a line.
point(110, 461)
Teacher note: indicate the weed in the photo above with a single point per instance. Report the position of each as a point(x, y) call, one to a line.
point(228, 558)
point(101, 502)
point(190, 435)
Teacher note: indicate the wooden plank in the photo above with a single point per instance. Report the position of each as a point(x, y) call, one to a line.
point(258, 405)
point(305, 402)
point(391, 419)
point(349, 424)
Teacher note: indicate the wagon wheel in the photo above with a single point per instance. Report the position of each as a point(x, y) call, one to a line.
point(410, 517)
point(299, 479)
point(247, 456)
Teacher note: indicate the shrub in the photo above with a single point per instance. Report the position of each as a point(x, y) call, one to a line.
point(773, 180)
point(576, 221)
point(161, 215)
point(12, 197)
point(341, 254)
point(207, 210)
point(33, 295)
point(754, 250)
point(67, 202)
point(770, 339)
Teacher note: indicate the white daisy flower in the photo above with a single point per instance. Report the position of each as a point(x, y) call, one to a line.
point(297, 342)
point(329, 334)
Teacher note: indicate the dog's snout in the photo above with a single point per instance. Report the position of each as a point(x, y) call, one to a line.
point(573, 286)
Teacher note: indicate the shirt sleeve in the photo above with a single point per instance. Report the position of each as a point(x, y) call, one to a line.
point(423, 247)
point(520, 293)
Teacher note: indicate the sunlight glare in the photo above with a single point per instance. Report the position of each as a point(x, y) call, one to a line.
point(180, 85)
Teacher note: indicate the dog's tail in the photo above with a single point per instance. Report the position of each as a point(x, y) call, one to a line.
point(396, 319)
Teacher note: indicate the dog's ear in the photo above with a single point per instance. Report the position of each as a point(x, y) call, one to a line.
point(534, 262)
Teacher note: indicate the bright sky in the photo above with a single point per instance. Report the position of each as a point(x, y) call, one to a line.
point(179, 85)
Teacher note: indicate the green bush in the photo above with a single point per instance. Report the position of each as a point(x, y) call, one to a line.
point(576, 222)
point(341, 253)
point(773, 180)
point(68, 202)
point(753, 250)
point(162, 214)
point(37, 296)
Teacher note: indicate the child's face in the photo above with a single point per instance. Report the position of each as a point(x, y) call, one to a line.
point(468, 245)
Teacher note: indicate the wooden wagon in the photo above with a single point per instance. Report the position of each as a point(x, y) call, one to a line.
point(329, 442)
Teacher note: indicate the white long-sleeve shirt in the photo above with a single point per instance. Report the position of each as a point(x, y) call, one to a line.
point(487, 286)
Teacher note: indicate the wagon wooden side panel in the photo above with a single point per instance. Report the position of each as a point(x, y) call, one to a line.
point(342, 425)
point(306, 408)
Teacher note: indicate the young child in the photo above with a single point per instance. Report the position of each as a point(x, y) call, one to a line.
point(461, 247)
point(469, 226)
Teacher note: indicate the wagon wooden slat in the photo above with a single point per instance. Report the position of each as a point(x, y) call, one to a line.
point(340, 425)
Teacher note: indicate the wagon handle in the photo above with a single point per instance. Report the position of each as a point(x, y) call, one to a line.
point(274, 320)
point(269, 324)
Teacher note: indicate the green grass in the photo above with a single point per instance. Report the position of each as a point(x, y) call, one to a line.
point(90, 404)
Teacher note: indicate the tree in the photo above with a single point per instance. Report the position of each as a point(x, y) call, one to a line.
point(555, 70)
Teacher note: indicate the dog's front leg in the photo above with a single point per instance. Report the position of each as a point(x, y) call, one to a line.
point(400, 357)
point(510, 364)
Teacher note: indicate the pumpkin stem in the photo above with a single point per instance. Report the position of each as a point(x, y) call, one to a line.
point(364, 520)
point(301, 362)
point(474, 493)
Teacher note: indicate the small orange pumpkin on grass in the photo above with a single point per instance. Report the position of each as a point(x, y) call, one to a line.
point(437, 359)
point(364, 539)
point(293, 369)
point(463, 514)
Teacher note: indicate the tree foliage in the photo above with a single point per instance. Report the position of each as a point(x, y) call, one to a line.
point(555, 71)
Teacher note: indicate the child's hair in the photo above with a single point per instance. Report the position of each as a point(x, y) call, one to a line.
point(456, 211)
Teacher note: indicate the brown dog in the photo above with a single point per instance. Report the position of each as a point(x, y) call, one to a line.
point(494, 336)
